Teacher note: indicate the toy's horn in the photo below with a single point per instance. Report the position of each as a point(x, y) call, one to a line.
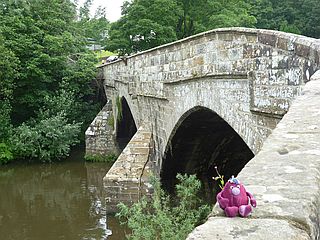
point(234, 180)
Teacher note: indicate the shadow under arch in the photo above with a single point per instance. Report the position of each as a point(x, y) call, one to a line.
point(126, 126)
point(200, 141)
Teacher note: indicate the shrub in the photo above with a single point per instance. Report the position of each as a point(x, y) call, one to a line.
point(46, 140)
point(165, 219)
point(5, 153)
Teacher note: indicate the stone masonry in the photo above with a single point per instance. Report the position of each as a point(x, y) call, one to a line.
point(100, 134)
point(249, 77)
point(128, 179)
point(284, 177)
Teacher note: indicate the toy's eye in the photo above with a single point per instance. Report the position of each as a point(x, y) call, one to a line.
point(238, 186)
point(231, 187)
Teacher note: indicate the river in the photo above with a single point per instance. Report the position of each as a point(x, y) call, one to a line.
point(55, 201)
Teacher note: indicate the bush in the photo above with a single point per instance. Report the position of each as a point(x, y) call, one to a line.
point(5, 153)
point(162, 218)
point(47, 140)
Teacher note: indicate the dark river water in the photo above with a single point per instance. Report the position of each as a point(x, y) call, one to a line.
point(55, 201)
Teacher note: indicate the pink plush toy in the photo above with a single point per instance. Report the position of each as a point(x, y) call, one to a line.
point(234, 199)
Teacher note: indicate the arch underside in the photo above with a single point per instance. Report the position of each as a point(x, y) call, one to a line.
point(126, 126)
point(201, 141)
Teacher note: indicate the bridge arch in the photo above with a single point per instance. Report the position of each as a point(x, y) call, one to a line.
point(125, 126)
point(200, 141)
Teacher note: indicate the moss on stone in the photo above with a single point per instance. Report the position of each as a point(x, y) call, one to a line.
point(110, 158)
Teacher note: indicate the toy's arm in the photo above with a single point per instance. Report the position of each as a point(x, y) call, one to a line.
point(252, 199)
point(223, 202)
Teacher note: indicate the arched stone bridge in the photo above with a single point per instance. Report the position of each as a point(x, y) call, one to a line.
point(212, 100)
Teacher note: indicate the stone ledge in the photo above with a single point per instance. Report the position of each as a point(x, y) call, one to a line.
point(221, 228)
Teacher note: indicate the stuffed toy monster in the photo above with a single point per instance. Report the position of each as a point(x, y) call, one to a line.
point(234, 199)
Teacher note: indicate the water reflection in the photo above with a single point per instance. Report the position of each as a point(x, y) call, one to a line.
point(56, 201)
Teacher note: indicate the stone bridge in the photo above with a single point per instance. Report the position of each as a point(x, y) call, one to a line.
point(213, 99)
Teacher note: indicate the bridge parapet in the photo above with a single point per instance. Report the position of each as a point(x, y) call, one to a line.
point(276, 63)
point(284, 176)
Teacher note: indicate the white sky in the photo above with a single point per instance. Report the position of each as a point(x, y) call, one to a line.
point(113, 8)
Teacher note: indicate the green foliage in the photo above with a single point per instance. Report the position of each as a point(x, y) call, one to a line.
point(232, 13)
point(119, 108)
point(5, 154)
point(47, 140)
point(8, 74)
point(95, 28)
point(46, 73)
point(297, 16)
point(165, 219)
point(143, 26)
point(109, 158)
point(50, 135)
point(5, 122)
point(46, 42)
point(102, 54)
point(111, 121)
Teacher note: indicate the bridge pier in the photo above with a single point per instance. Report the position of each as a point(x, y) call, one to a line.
point(100, 137)
point(129, 177)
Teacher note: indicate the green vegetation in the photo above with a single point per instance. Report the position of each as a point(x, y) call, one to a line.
point(119, 108)
point(5, 153)
point(164, 218)
point(95, 28)
point(46, 71)
point(149, 23)
point(109, 158)
point(104, 53)
point(111, 121)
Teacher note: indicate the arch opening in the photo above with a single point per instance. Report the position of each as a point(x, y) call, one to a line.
point(200, 141)
point(126, 126)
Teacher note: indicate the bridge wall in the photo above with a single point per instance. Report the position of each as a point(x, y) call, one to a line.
point(284, 176)
point(247, 76)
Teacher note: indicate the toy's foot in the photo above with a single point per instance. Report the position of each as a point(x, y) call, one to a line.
point(231, 211)
point(245, 210)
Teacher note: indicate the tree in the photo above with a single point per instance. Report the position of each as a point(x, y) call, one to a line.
point(231, 13)
point(44, 38)
point(8, 74)
point(144, 26)
point(47, 53)
point(50, 135)
point(96, 27)
point(288, 15)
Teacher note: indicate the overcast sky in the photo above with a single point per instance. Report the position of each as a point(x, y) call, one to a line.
point(113, 8)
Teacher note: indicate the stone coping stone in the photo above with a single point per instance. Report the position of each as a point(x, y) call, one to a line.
point(222, 228)
point(265, 36)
